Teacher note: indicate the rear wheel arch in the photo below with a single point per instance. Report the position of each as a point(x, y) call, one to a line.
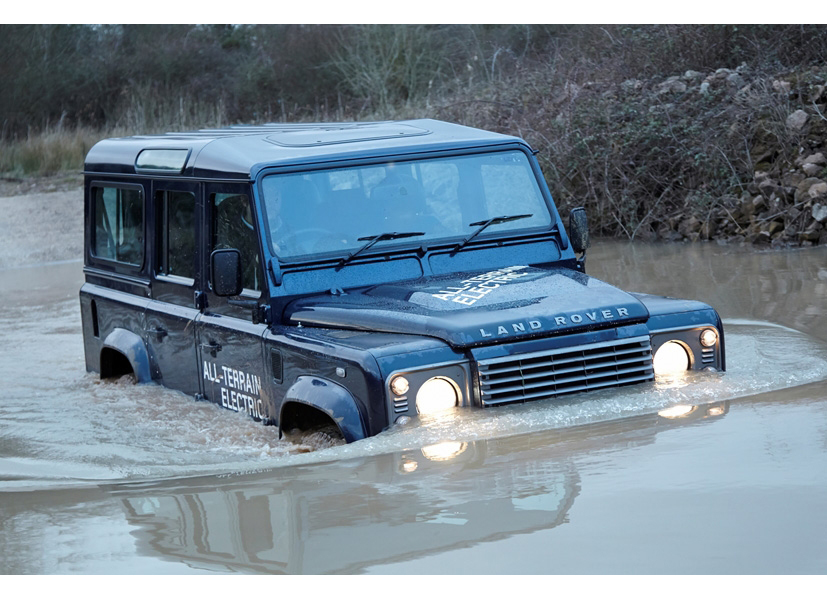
point(122, 348)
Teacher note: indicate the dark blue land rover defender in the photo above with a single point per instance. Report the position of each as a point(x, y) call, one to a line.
point(354, 275)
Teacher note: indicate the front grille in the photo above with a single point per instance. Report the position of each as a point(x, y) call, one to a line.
point(565, 370)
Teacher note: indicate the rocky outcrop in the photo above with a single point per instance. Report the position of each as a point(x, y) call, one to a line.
point(785, 201)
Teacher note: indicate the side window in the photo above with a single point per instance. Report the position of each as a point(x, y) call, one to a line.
point(175, 234)
point(119, 225)
point(233, 227)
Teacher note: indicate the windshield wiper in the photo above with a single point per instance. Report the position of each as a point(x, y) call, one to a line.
point(483, 225)
point(373, 239)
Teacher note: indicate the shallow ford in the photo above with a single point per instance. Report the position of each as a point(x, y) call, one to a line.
point(352, 276)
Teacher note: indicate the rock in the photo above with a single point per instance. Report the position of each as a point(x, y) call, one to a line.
point(819, 212)
point(814, 159)
point(768, 188)
point(631, 85)
point(786, 193)
point(690, 75)
point(803, 188)
point(689, 226)
point(792, 180)
point(760, 238)
point(822, 239)
point(746, 207)
point(797, 120)
point(815, 226)
point(812, 169)
point(646, 234)
point(782, 86)
point(817, 190)
point(708, 230)
point(704, 89)
point(735, 80)
point(664, 231)
point(758, 204)
point(774, 227)
point(672, 85)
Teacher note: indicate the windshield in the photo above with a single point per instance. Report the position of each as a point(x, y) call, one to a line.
point(335, 210)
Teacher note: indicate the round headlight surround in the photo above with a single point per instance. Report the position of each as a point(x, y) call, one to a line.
point(672, 358)
point(437, 394)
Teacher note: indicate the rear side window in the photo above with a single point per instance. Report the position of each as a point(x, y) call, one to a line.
point(176, 234)
point(119, 225)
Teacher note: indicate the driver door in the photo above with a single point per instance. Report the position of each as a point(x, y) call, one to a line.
point(230, 345)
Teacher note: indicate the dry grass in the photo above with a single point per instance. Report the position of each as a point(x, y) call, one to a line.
point(47, 153)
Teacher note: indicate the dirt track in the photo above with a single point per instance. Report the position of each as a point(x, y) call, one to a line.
point(40, 221)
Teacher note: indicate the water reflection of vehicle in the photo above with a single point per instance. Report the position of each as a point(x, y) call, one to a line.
point(379, 509)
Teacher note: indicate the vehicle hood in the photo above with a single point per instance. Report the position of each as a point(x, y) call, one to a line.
point(476, 308)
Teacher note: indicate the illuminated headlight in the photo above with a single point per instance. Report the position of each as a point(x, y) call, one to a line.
point(437, 394)
point(400, 386)
point(709, 337)
point(671, 359)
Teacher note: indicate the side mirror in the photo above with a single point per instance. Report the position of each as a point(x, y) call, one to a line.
point(579, 229)
point(225, 272)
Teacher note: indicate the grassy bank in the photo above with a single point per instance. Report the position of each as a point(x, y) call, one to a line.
point(661, 132)
point(49, 152)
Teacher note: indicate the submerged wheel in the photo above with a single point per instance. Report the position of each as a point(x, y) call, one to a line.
point(315, 439)
point(309, 428)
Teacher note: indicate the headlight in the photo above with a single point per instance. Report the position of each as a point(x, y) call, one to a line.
point(400, 386)
point(437, 394)
point(709, 337)
point(671, 359)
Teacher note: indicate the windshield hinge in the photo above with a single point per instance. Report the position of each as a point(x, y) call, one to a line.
point(275, 271)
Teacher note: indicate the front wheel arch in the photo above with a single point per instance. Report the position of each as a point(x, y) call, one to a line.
point(319, 400)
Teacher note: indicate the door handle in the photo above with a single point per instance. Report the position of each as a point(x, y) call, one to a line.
point(212, 348)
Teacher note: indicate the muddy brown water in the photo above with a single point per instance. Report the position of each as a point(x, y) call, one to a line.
point(115, 478)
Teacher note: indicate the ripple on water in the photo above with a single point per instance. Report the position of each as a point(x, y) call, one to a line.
point(111, 430)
